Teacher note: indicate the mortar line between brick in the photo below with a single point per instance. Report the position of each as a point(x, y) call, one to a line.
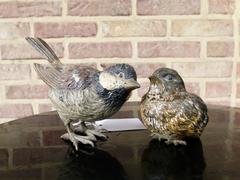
point(217, 98)
point(195, 80)
point(203, 50)
point(100, 33)
point(66, 52)
point(204, 8)
point(236, 53)
point(26, 0)
point(198, 79)
point(2, 92)
point(111, 18)
point(25, 101)
point(203, 89)
point(33, 75)
point(19, 82)
point(35, 107)
point(31, 24)
point(169, 64)
point(125, 39)
point(134, 50)
point(138, 60)
point(64, 8)
point(134, 8)
point(168, 28)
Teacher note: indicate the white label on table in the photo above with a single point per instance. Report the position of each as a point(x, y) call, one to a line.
point(121, 124)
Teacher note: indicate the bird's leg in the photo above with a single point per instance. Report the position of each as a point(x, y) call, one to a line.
point(159, 136)
point(101, 130)
point(79, 127)
point(77, 123)
point(74, 138)
point(96, 133)
point(92, 131)
point(169, 139)
point(176, 141)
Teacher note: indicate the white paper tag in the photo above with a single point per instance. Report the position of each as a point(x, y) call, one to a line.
point(121, 124)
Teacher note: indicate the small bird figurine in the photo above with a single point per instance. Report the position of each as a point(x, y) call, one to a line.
point(83, 94)
point(169, 111)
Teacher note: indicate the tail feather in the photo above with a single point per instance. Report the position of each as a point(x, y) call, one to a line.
point(48, 74)
point(44, 49)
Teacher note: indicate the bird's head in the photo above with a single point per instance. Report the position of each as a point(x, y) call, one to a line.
point(166, 82)
point(119, 76)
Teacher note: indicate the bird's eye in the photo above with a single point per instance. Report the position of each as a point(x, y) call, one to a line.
point(168, 77)
point(121, 75)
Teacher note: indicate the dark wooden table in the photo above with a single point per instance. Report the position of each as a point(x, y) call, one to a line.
point(30, 148)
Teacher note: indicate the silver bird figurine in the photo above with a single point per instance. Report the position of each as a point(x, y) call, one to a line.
point(83, 95)
point(169, 111)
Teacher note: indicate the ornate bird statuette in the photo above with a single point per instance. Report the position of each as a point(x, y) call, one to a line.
point(83, 94)
point(169, 111)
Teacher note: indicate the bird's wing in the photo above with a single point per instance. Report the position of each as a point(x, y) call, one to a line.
point(45, 50)
point(188, 117)
point(70, 77)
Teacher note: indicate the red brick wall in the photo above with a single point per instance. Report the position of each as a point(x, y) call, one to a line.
point(198, 38)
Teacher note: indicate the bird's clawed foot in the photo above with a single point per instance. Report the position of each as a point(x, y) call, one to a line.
point(75, 139)
point(90, 130)
point(169, 139)
point(159, 136)
point(176, 142)
point(97, 133)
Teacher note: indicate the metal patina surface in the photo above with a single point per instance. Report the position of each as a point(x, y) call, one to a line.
point(82, 94)
point(169, 111)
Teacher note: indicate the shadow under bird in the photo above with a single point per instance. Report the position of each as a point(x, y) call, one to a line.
point(99, 165)
point(160, 161)
point(169, 111)
point(83, 94)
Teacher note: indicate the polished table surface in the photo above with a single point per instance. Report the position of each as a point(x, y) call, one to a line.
point(30, 149)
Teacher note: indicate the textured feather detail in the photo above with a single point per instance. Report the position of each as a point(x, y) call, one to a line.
point(186, 116)
point(45, 50)
point(48, 74)
point(169, 111)
point(70, 77)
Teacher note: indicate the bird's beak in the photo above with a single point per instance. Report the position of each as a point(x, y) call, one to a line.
point(153, 79)
point(131, 84)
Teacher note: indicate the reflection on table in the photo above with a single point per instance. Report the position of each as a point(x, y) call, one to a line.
point(162, 161)
point(90, 165)
point(30, 149)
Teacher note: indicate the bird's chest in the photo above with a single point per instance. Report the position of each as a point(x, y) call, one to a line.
point(157, 114)
point(155, 108)
point(85, 104)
